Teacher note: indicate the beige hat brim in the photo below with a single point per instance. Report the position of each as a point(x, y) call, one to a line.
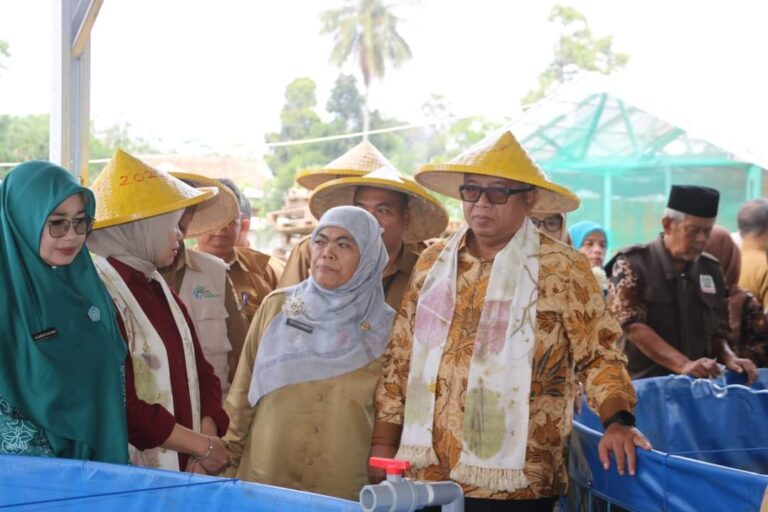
point(428, 218)
point(205, 194)
point(212, 214)
point(313, 178)
point(446, 178)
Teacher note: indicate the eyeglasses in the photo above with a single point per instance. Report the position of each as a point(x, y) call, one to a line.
point(495, 195)
point(60, 227)
point(551, 224)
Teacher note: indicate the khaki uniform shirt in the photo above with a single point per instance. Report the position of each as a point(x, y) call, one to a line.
point(254, 276)
point(395, 281)
point(754, 274)
point(236, 323)
point(573, 330)
point(313, 436)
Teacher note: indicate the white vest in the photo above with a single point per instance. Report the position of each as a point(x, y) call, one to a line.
point(203, 292)
point(151, 369)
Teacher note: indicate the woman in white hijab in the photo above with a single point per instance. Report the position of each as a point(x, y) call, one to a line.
point(301, 403)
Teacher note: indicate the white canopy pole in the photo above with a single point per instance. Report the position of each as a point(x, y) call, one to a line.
point(70, 109)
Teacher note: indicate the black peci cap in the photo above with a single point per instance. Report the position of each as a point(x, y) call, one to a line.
point(693, 200)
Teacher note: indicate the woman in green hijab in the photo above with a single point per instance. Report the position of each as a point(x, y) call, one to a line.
point(62, 356)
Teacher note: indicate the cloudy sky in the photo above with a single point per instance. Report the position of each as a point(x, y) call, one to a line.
point(212, 75)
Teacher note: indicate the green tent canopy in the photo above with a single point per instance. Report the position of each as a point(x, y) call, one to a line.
point(620, 156)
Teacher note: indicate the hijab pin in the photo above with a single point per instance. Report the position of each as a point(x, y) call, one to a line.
point(365, 326)
point(294, 306)
point(94, 314)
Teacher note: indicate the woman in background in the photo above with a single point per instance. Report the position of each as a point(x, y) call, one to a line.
point(590, 239)
point(552, 225)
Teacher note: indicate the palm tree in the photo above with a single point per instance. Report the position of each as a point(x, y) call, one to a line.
point(365, 30)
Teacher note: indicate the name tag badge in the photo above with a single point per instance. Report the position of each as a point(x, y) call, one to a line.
point(707, 284)
point(299, 325)
point(46, 334)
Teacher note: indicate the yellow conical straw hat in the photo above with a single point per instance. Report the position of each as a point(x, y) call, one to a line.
point(359, 160)
point(428, 218)
point(214, 213)
point(128, 190)
point(501, 157)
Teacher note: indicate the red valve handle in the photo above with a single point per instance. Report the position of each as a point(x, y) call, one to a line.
point(392, 466)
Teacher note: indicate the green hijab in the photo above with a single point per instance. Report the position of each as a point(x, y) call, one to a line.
point(70, 381)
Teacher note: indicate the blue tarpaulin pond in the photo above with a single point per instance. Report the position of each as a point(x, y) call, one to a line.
point(711, 453)
point(710, 450)
point(35, 483)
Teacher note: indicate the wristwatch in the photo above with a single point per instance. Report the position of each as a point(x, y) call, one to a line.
point(625, 418)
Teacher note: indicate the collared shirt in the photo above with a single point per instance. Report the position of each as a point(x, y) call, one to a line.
point(754, 273)
point(149, 425)
point(236, 323)
point(254, 277)
point(395, 280)
point(573, 327)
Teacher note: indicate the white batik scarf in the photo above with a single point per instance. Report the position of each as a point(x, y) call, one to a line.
point(151, 367)
point(495, 429)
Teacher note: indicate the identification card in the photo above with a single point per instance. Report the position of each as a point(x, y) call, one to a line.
point(299, 325)
point(46, 334)
point(707, 284)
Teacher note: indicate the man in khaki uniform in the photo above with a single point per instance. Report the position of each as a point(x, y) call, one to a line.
point(246, 212)
point(253, 273)
point(358, 161)
point(203, 282)
point(753, 228)
point(407, 213)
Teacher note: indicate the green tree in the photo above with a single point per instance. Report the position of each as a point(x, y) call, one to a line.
point(577, 49)
point(445, 138)
point(365, 32)
point(23, 138)
point(345, 104)
point(407, 149)
point(104, 143)
point(26, 138)
point(4, 53)
point(299, 120)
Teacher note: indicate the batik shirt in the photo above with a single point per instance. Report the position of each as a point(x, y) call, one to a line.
point(573, 329)
point(19, 435)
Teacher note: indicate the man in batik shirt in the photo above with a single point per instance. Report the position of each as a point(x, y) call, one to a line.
point(478, 381)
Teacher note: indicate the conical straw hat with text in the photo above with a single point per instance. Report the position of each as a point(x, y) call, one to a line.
point(128, 190)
